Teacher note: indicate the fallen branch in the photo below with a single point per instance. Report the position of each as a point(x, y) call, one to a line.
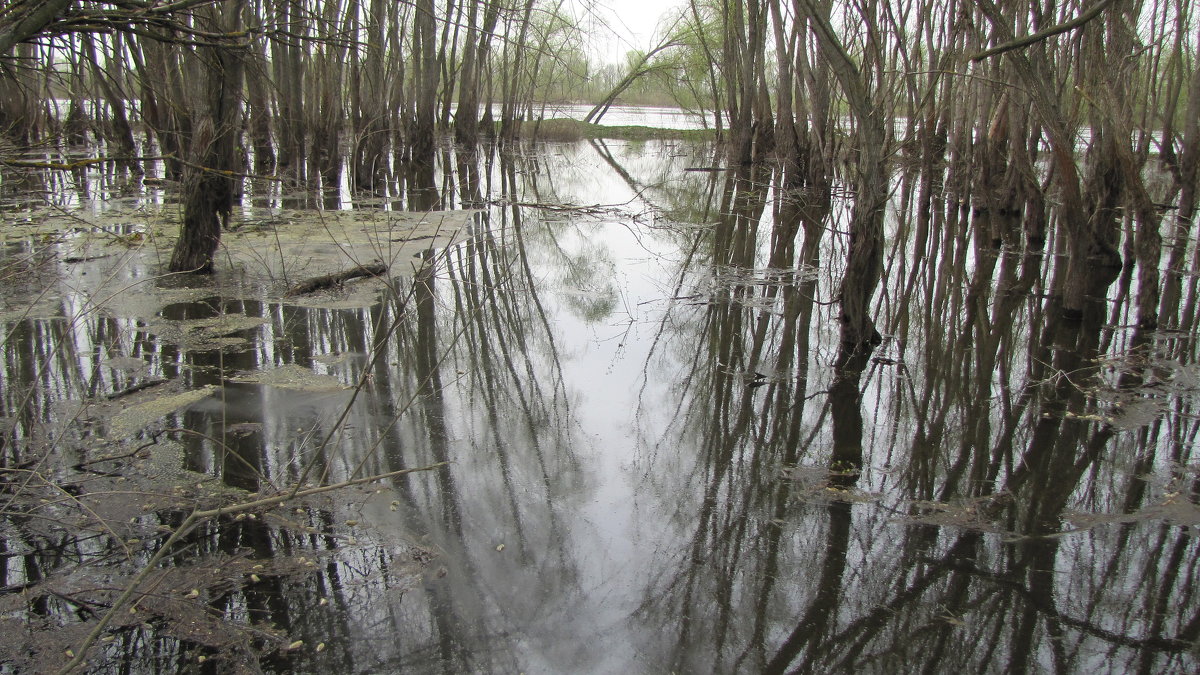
point(71, 259)
point(152, 382)
point(82, 466)
point(559, 208)
point(328, 280)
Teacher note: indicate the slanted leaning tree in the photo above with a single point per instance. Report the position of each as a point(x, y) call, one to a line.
point(864, 263)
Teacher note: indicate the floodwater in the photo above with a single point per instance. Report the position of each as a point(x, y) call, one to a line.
point(644, 116)
point(657, 461)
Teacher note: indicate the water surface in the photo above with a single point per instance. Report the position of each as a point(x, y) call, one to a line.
point(659, 461)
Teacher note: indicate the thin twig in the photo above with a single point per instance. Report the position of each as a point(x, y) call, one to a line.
point(195, 518)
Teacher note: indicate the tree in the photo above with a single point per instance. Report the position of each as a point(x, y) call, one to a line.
point(640, 66)
point(864, 264)
point(209, 33)
point(208, 183)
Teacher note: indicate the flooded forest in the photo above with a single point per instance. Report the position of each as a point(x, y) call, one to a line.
point(353, 336)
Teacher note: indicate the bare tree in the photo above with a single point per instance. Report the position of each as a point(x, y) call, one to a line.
point(208, 178)
point(864, 261)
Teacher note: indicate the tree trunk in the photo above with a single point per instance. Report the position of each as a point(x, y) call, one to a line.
point(208, 185)
point(19, 114)
point(258, 108)
point(371, 106)
point(24, 19)
point(289, 71)
point(117, 131)
point(864, 261)
point(425, 77)
point(466, 116)
point(1088, 223)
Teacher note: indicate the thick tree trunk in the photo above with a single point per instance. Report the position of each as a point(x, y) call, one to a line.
point(163, 102)
point(1086, 212)
point(421, 138)
point(370, 107)
point(510, 111)
point(466, 117)
point(258, 109)
point(117, 130)
point(206, 198)
point(24, 20)
point(467, 122)
point(208, 183)
point(864, 261)
point(20, 117)
point(289, 72)
point(1188, 183)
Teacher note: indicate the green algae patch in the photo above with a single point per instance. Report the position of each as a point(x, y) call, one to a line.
point(293, 377)
point(291, 246)
point(355, 294)
point(222, 326)
point(207, 334)
point(134, 418)
point(112, 262)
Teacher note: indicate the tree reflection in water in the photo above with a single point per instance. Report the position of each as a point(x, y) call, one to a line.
point(663, 457)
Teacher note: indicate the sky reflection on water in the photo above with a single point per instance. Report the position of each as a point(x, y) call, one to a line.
point(660, 463)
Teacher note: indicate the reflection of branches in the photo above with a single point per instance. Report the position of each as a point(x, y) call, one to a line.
point(741, 443)
point(1042, 603)
point(195, 518)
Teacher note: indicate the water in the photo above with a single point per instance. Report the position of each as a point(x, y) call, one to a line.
point(644, 116)
point(647, 434)
point(628, 115)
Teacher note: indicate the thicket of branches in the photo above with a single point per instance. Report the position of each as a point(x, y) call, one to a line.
point(1055, 114)
point(221, 88)
point(1080, 119)
point(315, 79)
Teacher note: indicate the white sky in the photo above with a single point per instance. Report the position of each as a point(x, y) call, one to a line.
point(633, 21)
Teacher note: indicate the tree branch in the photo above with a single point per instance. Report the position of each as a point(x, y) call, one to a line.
point(1043, 34)
point(80, 651)
point(31, 23)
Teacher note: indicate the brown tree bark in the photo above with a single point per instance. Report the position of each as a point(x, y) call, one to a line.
point(370, 105)
point(1085, 212)
point(289, 80)
point(208, 185)
point(425, 76)
point(466, 116)
point(864, 261)
point(258, 106)
point(25, 20)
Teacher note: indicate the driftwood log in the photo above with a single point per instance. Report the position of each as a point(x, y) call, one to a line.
point(328, 280)
point(145, 384)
